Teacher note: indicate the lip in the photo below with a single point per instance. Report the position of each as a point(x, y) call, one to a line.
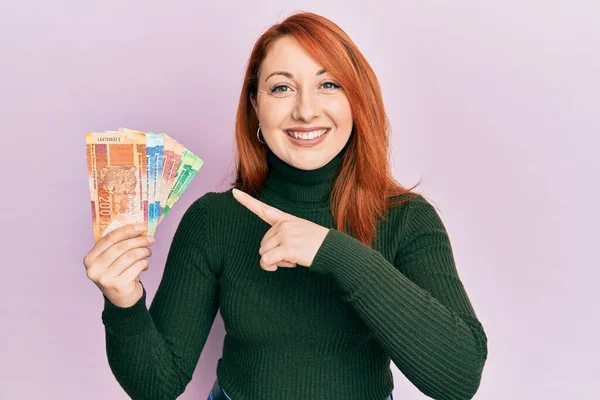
point(300, 129)
point(307, 143)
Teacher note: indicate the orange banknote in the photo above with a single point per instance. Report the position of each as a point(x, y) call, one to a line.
point(117, 173)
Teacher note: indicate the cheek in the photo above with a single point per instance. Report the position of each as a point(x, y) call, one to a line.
point(274, 112)
point(340, 112)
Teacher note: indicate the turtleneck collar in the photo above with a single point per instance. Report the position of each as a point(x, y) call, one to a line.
point(304, 188)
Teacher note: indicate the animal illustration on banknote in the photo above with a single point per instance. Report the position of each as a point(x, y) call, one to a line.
point(120, 182)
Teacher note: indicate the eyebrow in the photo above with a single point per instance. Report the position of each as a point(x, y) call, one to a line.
point(289, 75)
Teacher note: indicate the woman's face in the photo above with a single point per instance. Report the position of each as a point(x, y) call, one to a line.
point(295, 94)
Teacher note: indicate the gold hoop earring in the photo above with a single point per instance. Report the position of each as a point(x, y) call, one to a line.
point(258, 134)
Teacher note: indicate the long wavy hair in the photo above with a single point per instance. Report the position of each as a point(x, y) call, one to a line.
point(364, 189)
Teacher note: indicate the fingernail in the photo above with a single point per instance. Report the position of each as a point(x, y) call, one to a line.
point(139, 228)
point(151, 239)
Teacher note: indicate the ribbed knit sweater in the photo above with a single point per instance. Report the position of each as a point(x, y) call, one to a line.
point(327, 331)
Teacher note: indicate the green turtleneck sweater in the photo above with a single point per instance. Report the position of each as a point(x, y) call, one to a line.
point(327, 331)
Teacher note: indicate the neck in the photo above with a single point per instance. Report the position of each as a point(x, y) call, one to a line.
point(309, 188)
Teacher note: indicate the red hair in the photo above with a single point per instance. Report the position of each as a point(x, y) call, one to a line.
point(364, 188)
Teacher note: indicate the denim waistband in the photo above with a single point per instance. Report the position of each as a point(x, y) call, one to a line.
point(217, 393)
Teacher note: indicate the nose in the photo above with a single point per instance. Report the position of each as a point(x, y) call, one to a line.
point(307, 106)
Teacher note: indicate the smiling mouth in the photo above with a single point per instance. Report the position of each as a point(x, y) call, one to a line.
point(308, 135)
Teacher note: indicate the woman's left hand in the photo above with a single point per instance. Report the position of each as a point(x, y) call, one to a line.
point(290, 241)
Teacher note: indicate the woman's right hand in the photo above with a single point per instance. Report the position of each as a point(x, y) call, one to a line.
point(116, 261)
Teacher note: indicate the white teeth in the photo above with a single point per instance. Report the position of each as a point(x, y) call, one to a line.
point(307, 135)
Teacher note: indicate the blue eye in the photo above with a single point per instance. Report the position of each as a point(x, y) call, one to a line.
point(335, 85)
point(274, 90)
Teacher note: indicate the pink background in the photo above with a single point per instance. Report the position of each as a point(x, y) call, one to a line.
point(495, 105)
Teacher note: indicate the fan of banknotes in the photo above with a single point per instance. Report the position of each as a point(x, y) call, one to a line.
point(135, 178)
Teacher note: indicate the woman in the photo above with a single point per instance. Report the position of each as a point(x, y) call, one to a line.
point(324, 268)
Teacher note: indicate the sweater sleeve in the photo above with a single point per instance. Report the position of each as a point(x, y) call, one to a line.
point(416, 307)
point(153, 352)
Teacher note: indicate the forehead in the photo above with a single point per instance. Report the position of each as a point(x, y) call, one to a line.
point(286, 54)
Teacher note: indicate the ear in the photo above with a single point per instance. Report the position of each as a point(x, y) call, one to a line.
point(254, 104)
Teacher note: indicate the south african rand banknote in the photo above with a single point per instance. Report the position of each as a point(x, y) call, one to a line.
point(117, 172)
point(148, 192)
point(172, 157)
point(186, 171)
point(155, 144)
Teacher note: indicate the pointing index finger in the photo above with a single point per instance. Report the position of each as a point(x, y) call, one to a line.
point(267, 213)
